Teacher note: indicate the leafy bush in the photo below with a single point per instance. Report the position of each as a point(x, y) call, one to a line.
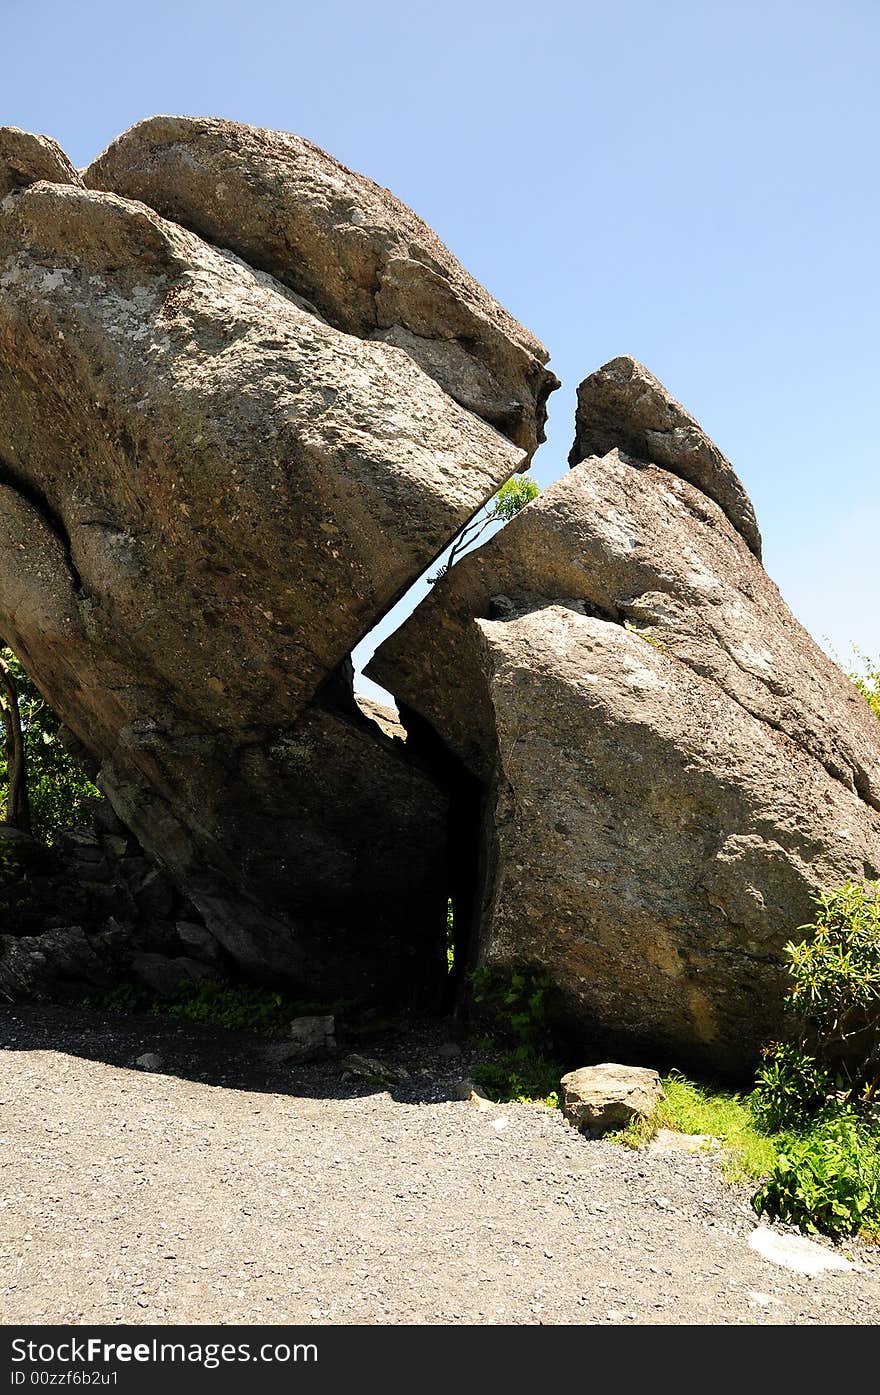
point(828, 1179)
point(514, 1005)
point(501, 508)
point(15, 892)
point(57, 788)
point(791, 1086)
point(238, 1009)
point(834, 998)
point(235, 1007)
point(519, 1076)
point(518, 491)
point(822, 1085)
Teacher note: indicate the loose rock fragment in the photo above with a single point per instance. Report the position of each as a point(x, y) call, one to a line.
point(598, 1098)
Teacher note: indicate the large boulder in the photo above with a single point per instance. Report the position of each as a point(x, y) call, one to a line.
point(208, 494)
point(365, 260)
point(671, 767)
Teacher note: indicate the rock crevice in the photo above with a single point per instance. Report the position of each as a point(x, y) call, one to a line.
point(246, 398)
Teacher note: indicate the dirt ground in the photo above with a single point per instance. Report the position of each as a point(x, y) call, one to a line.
point(225, 1190)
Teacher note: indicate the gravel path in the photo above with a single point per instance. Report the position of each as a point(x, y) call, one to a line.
point(226, 1191)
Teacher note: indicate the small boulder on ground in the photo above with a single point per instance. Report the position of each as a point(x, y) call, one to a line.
point(598, 1098)
point(150, 1060)
point(311, 1039)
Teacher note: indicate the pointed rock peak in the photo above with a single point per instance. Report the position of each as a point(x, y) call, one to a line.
point(26, 158)
point(623, 405)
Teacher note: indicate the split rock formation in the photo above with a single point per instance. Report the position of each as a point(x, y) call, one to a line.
point(246, 398)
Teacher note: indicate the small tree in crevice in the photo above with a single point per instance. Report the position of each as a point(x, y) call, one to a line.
point(511, 497)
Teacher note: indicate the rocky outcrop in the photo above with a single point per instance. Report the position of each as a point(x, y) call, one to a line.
point(246, 398)
point(26, 158)
point(671, 767)
point(369, 265)
point(622, 405)
point(208, 494)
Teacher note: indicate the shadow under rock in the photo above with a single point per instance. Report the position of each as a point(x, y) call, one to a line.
point(236, 1060)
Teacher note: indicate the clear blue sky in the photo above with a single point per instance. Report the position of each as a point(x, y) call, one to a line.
point(691, 182)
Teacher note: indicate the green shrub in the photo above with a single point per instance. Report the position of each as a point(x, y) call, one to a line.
point(826, 1180)
point(235, 1007)
point(791, 1087)
point(514, 1003)
point(240, 1008)
point(822, 1084)
point(834, 997)
point(518, 1076)
point(57, 789)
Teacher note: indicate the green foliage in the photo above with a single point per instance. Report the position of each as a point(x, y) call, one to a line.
point(721, 1116)
point(834, 999)
point(234, 1007)
point(791, 1086)
point(866, 676)
point(514, 1004)
point(57, 788)
point(239, 1009)
point(16, 895)
point(518, 491)
point(505, 505)
point(518, 1076)
point(827, 1180)
point(821, 1086)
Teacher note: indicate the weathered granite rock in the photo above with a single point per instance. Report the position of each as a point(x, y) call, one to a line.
point(150, 1061)
point(657, 845)
point(637, 546)
point(622, 405)
point(365, 260)
point(598, 1098)
point(207, 495)
point(671, 766)
point(26, 158)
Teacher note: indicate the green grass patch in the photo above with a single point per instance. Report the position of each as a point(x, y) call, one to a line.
point(519, 1075)
point(749, 1150)
point(823, 1175)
